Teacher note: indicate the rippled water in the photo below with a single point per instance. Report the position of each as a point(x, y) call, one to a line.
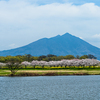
point(50, 88)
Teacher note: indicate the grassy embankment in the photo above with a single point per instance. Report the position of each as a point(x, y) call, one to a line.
point(53, 71)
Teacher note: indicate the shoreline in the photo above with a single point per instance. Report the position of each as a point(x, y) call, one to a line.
point(47, 74)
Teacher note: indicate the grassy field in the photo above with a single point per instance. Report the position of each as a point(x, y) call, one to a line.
point(52, 71)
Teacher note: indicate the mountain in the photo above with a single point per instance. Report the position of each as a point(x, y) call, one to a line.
point(59, 45)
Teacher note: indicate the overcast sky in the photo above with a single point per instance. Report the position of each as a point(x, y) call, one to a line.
point(25, 21)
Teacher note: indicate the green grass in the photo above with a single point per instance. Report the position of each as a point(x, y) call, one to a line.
point(4, 73)
point(49, 71)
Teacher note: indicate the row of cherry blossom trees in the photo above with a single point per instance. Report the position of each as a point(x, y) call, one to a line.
point(74, 62)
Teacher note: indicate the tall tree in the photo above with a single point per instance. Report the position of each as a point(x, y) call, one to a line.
point(13, 65)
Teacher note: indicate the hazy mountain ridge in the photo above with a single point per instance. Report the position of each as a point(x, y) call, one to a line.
point(59, 45)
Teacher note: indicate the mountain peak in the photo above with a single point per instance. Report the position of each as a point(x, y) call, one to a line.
point(66, 34)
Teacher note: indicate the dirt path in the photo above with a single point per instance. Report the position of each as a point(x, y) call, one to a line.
point(48, 71)
point(45, 71)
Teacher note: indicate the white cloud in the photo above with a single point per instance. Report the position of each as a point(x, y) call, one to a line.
point(22, 22)
point(96, 36)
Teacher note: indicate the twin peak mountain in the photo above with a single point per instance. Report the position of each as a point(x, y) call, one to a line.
point(66, 44)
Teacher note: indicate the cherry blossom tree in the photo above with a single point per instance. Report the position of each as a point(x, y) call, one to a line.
point(35, 63)
point(25, 63)
point(13, 67)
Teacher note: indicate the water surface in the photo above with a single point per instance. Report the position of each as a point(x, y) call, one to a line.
point(50, 88)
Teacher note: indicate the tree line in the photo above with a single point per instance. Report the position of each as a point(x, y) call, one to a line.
point(49, 57)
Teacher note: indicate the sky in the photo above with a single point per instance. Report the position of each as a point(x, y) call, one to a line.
point(25, 21)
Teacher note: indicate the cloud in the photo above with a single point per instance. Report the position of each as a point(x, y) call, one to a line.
point(24, 21)
point(96, 36)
